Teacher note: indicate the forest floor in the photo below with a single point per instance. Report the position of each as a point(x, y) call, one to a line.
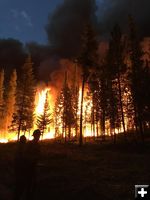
point(95, 171)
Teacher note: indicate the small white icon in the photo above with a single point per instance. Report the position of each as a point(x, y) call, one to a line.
point(142, 192)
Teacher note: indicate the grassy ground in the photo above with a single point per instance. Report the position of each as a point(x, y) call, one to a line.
point(94, 171)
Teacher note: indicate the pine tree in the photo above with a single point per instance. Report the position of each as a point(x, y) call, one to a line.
point(64, 111)
point(94, 87)
point(44, 120)
point(75, 98)
point(118, 67)
point(24, 115)
point(1, 97)
point(136, 76)
point(10, 100)
point(112, 94)
point(102, 99)
point(1, 90)
point(146, 96)
point(88, 60)
point(58, 115)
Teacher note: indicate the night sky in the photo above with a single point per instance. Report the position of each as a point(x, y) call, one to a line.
point(26, 20)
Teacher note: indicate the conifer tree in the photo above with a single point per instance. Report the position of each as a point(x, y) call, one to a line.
point(136, 76)
point(64, 111)
point(1, 90)
point(75, 98)
point(111, 93)
point(118, 67)
point(24, 114)
point(1, 97)
point(58, 116)
point(102, 99)
point(10, 100)
point(88, 60)
point(68, 113)
point(146, 96)
point(44, 120)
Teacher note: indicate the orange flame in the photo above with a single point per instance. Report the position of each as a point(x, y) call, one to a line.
point(50, 132)
point(40, 101)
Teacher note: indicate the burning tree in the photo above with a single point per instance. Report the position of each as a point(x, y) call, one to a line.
point(44, 120)
point(136, 77)
point(64, 111)
point(88, 60)
point(10, 100)
point(75, 98)
point(110, 97)
point(115, 69)
point(24, 115)
point(118, 68)
point(146, 97)
point(1, 89)
point(102, 97)
point(1, 97)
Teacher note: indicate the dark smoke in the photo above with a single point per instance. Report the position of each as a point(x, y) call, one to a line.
point(65, 26)
point(48, 67)
point(111, 12)
point(12, 55)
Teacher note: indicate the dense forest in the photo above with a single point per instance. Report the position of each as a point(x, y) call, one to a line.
point(102, 94)
point(75, 110)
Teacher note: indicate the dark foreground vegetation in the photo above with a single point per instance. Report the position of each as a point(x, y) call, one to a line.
point(99, 170)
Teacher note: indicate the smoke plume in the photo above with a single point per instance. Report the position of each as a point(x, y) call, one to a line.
point(117, 11)
point(65, 26)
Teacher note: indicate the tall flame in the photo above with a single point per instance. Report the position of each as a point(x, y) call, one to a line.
point(39, 110)
point(40, 99)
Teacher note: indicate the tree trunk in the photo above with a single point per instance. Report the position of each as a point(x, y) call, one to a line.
point(69, 132)
point(103, 124)
point(121, 106)
point(76, 124)
point(93, 118)
point(115, 137)
point(81, 113)
point(97, 129)
point(19, 128)
point(138, 118)
point(140, 126)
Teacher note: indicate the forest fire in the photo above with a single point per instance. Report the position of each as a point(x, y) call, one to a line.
point(40, 100)
point(74, 99)
point(49, 133)
point(80, 101)
point(52, 120)
point(89, 129)
point(39, 109)
point(8, 137)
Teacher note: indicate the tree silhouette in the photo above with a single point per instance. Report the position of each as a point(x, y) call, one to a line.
point(136, 76)
point(64, 111)
point(10, 100)
point(118, 68)
point(88, 60)
point(44, 120)
point(24, 114)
